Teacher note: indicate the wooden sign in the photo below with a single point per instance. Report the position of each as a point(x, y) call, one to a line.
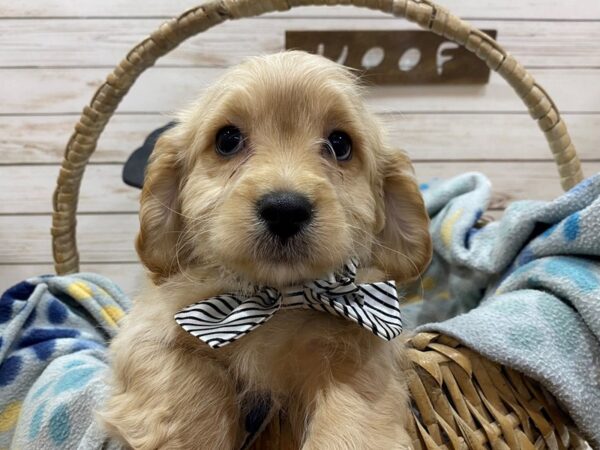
point(396, 57)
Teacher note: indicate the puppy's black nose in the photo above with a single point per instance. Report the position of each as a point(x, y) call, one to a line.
point(284, 212)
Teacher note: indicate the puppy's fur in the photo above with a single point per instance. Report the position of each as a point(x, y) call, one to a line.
point(341, 386)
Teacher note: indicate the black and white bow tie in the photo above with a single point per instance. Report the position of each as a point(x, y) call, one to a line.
point(221, 320)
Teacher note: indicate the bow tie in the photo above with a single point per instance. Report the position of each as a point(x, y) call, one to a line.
point(221, 320)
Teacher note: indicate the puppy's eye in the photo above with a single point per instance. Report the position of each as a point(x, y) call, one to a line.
point(340, 144)
point(229, 140)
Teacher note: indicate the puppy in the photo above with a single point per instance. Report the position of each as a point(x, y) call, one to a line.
point(288, 131)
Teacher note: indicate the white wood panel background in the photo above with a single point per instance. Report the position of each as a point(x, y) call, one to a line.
point(54, 53)
point(538, 44)
point(468, 9)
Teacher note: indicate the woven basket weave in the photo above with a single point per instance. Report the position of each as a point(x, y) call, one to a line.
point(460, 399)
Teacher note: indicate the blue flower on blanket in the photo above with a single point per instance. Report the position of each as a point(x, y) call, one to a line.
point(19, 292)
point(10, 369)
point(546, 234)
point(36, 421)
point(74, 379)
point(571, 227)
point(60, 424)
point(471, 232)
point(574, 271)
point(57, 312)
point(578, 190)
point(525, 257)
point(43, 340)
point(524, 265)
point(77, 373)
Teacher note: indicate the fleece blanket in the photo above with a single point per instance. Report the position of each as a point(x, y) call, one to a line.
point(53, 337)
point(528, 281)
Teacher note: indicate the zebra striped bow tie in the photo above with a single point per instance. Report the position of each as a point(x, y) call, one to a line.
point(221, 320)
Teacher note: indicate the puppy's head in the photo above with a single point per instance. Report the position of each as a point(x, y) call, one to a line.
point(279, 174)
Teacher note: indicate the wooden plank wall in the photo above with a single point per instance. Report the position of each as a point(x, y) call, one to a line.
point(54, 53)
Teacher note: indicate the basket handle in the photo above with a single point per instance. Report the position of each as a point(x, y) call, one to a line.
point(169, 35)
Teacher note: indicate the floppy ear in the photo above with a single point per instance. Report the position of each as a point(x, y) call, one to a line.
point(160, 219)
point(403, 248)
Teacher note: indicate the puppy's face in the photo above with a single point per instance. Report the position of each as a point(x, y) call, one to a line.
point(278, 174)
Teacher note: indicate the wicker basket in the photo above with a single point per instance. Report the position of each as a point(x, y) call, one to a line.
point(460, 399)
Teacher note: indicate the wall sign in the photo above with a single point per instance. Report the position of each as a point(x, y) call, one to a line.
point(396, 57)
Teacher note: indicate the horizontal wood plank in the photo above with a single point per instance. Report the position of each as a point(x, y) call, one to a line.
point(530, 9)
point(41, 139)
point(101, 238)
point(103, 192)
point(128, 276)
point(104, 42)
point(61, 90)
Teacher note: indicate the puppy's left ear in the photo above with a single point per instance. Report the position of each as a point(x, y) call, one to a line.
point(403, 248)
point(160, 217)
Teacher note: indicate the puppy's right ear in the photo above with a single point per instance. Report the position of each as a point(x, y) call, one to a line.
point(160, 218)
point(404, 246)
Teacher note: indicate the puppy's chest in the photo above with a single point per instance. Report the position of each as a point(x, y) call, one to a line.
point(291, 347)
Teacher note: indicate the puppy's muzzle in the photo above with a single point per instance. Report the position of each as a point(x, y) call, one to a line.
point(285, 213)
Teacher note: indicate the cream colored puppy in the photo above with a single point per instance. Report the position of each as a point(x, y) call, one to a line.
point(278, 175)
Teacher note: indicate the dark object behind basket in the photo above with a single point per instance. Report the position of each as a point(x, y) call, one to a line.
point(135, 167)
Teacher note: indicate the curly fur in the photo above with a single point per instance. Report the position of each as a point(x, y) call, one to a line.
point(342, 387)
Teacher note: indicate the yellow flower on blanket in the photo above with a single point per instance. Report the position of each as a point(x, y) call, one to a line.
point(80, 291)
point(448, 226)
point(8, 417)
point(429, 283)
point(112, 314)
point(412, 298)
point(444, 295)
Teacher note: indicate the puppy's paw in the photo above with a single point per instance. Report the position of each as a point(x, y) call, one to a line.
point(168, 397)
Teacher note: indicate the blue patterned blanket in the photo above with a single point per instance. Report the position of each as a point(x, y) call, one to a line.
point(53, 337)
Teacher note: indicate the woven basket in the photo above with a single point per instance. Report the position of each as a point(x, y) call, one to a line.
point(460, 399)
